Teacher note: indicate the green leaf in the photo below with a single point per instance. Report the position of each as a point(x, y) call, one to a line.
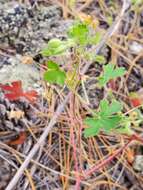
point(54, 47)
point(52, 65)
point(110, 72)
point(110, 123)
point(79, 32)
point(54, 43)
point(104, 105)
point(94, 127)
point(115, 107)
point(54, 76)
point(118, 72)
point(90, 132)
point(107, 110)
point(91, 122)
point(106, 119)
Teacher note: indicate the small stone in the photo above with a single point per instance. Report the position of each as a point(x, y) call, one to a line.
point(2, 110)
point(135, 47)
point(27, 60)
point(138, 163)
point(8, 124)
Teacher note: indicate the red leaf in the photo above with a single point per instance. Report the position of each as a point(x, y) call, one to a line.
point(20, 140)
point(15, 91)
point(12, 96)
point(135, 99)
point(31, 95)
point(16, 86)
point(135, 102)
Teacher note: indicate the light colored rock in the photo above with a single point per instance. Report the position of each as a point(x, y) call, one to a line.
point(138, 163)
point(135, 47)
point(28, 74)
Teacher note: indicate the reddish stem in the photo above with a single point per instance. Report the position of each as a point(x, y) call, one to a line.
point(78, 179)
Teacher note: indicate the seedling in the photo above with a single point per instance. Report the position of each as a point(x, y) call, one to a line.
point(79, 33)
point(108, 118)
point(78, 37)
point(110, 72)
point(57, 47)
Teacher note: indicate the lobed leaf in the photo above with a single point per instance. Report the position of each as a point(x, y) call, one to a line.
point(54, 47)
point(110, 122)
point(95, 126)
point(106, 119)
point(15, 92)
point(110, 72)
point(115, 107)
point(54, 76)
point(79, 32)
point(52, 65)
